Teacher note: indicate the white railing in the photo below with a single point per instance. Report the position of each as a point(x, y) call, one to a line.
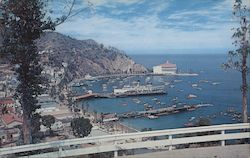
point(115, 143)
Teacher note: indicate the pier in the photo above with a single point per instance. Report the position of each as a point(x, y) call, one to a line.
point(162, 111)
point(85, 96)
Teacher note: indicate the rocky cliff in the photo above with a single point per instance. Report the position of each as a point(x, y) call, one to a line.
point(85, 56)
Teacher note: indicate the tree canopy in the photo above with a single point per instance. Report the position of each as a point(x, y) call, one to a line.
point(48, 121)
point(238, 57)
point(22, 22)
point(81, 127)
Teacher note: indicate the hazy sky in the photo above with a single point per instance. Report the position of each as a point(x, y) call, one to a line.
point(155, 25)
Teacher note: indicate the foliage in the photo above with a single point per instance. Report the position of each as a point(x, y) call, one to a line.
point(203, 122)
point(48, 121)
point(81, 127)
point(22, 22)
point(238, 57)
point(23, 25)
point(35, 128)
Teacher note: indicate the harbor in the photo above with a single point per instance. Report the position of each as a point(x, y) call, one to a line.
point(181, 89)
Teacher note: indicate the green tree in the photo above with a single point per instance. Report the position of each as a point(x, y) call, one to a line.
point(81, 127)
point(238, 57)
point(48, 121)
point(202, 122)
point(35, 128)
point(23, 22)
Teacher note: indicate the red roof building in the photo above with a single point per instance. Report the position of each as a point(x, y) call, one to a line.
point(11, 120)
point(7, 102)
point(8, 109)
point(168, 65)
point(166, 68)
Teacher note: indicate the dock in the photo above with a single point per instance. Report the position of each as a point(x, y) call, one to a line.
point(85, 96)
point(162, 111)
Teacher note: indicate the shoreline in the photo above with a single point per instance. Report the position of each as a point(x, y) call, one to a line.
point(128, 128)
point(127, 75)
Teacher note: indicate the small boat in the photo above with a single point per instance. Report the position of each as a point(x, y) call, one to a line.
point(191, 109)
point(204, 81)
point(194, 85)
point(198, 88)
point(175, 99)
point(158, 102)
point(171, 86)
point(149, 107)
point(175, 111)
point(166, 83)
point(147, 79)
point(138, 102)
point(176, 81)
point(215, 83)
point(104, 87)
point(190, 124)
point(190, 96)
point(191, 119)
point(152, 117)
point(154, 99)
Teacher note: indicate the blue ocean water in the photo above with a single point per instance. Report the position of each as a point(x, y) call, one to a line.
point(215, 86)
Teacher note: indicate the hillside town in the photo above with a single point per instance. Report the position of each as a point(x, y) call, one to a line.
point(55, 101)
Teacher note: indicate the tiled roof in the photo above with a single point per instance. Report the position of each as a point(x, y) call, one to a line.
point(4, 102)
point(9, 118)
point(9, 109)
point(168, 65)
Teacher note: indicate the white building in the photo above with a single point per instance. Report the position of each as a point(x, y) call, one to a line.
point(166, 68)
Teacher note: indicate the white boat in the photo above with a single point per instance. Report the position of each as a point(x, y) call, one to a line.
point(191, 119)
point(171, 86)
point(104, 87)
point(152, 117)
point(190, 96)
point(175, 99)
point(198, 88)
point(147, 79)
point(176, 81)
point(204, 81)
point(194, 85)
point(154, 99)
point(166, 83)
point(215, 83)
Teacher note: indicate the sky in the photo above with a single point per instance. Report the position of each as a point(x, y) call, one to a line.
point(154, 26)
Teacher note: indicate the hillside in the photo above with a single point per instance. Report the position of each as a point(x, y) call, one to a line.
point(85, 56)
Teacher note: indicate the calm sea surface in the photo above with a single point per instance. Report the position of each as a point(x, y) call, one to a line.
point(215, 86)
